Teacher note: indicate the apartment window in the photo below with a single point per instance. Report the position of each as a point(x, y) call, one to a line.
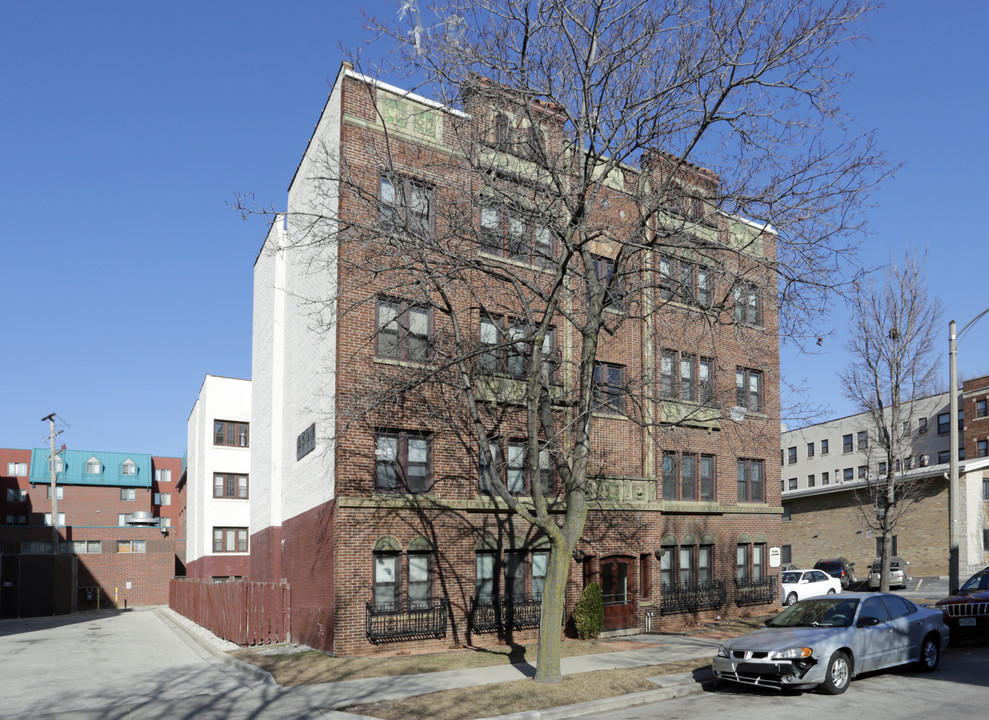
point(484, 576)
point(846, 443)
point(229, 539)
point(786, 512)
point(810, 481)
point(906, 428)
point(405, 205)
point(943, 456)
point(748, 389)
point(420, 580)
point(980, 408)
point(792, 483)
point(516, 477)
point(922, 426)
point(504, 232)
point(165, 522)
point(614, 296)
point(924, 459)
point(123, 519)
point(985, 489)
point(688, 476)
point(506, 348)
point(748, 305)
point(163, 475)
point(791, 455)
point(684, 282)
point(863, 440)
point(232, 434)
point(132, 546)
point(751, 481)
point(61, 519)
point(16, 468)
point(402, 462)
point(80, 547)
point(540, 567)
point(686, 377)
point(36, 547)
point(758, 561)
point(17, 495)
point(163, 499)
point(863, 472)
point(786, 555)
point(610, 383)
point(847, 475)
point(825, 478)
point(128, 467)
point(93, 466)
point(810, 449)
point(128, 494)
point(16, 520)
point(824, 447)
point(403, 331)
point(981, 448)
point(59, 491)
point(705, 564)
point(230, 485)
point(943, 427)
point(742, 562)
point(882, 467)
point(908, 462)
point(386, 581)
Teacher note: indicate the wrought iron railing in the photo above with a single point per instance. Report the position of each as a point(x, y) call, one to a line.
point(757, 592)
point(392, 622)
point(677, 598)
point(489, 613)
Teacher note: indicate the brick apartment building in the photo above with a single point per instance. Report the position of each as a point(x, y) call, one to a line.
point(382, 525)
point(114, 514)
point(826, 468)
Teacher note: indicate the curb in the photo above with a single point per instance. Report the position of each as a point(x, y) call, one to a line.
point(192, 638)
point(672, 686)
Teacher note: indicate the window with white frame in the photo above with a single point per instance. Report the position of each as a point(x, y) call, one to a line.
point(59, 492)
point(163, 498)
point(61, 519)
point(230, 539)
point(128, 467)
point(123, 519)
point(15, 469)
point(128, 494)
point(230, 485)
point(36, 547)
point(403, 331)
point(748, 389)
point(163, 475)
point(81, 547)
point(405, 205)
point(748, 304)
point(132, 546)
point(93, 466)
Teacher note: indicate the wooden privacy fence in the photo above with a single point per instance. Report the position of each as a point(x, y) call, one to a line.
point(241, 611)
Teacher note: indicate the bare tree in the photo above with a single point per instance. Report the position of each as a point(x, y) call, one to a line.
point(892, 338)
point(598, 161)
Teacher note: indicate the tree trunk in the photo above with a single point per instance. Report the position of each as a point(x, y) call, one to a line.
point(551, 616)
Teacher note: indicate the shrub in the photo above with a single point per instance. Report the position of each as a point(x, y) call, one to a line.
point(588, 614)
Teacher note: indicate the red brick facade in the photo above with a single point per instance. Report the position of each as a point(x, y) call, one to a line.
point(328, 553)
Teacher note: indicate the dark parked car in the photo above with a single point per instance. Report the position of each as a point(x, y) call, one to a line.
point(967, 611)
point(826, 641)
point(838, 567)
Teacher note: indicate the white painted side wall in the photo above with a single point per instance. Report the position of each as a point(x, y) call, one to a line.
point(220, 398)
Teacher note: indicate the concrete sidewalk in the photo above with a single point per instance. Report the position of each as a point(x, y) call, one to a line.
point(315, 700)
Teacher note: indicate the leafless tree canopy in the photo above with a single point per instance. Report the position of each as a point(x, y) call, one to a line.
point(892, 339)
point(600, 162)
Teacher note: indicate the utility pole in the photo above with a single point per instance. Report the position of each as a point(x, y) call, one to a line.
point(52, 434)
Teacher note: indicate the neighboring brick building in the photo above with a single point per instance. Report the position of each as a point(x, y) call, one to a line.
point(826, 466)
point(107, 518)
point(217, 480)
point(372, 568)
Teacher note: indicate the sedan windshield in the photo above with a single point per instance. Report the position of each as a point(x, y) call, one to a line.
point(820, 612)
point(791, 577)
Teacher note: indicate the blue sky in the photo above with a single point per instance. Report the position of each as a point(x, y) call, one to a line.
point(127, 128)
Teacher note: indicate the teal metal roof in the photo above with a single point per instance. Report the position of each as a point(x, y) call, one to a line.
point(111, 473)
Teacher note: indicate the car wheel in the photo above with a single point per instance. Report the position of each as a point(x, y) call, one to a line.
point(839, 674)
point(791, 598)
point(830, 591)
point(930, 653)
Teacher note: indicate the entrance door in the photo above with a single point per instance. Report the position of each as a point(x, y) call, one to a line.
point(619, 602)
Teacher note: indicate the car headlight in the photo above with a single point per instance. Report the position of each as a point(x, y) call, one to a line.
point(793, 653)
point(722, 652)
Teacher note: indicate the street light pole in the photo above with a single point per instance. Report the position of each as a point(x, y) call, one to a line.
point(957, 546)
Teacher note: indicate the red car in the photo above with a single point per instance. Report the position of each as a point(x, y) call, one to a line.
point(967, 611)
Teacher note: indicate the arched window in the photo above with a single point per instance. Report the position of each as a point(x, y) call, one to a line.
point(502, 131)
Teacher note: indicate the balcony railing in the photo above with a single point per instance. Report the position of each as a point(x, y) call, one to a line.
point(392, 622)
point(757, 592)
point(489, 613)
point(677, 598)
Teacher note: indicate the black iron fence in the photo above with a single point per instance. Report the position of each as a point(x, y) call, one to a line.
point(760, 591)
point(678, 598)
point(390, 622)
point(489, 613)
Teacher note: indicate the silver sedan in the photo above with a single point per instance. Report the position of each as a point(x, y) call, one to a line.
point(825, 642)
